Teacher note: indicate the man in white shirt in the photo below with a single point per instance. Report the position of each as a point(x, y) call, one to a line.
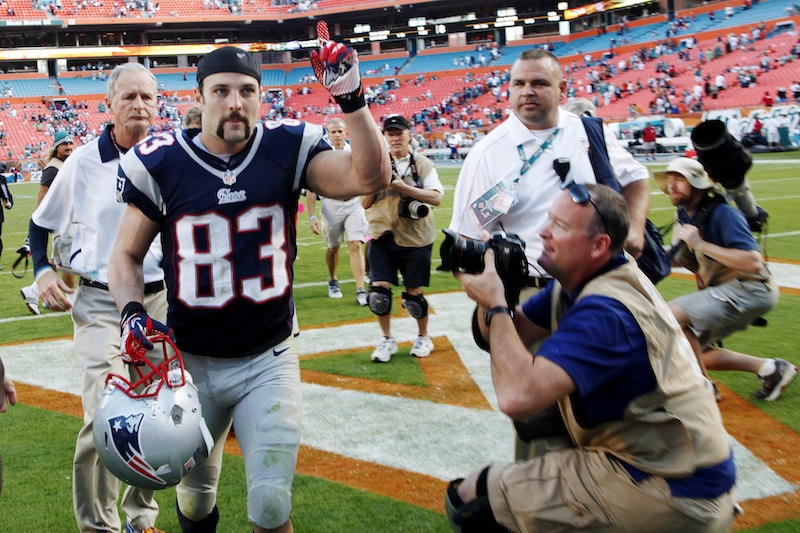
point(513, 170)
point(537, 131)
point(85, 194)
point(341, 220)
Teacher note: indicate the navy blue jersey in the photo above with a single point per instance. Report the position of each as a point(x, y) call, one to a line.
point(228, 232)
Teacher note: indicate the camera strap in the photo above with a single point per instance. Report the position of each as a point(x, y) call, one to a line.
point(15, 268)
point(412, 166)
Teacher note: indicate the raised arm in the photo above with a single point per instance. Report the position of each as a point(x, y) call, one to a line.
point(366, 168)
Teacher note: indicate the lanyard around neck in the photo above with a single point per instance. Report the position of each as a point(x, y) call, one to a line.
point(528, 163)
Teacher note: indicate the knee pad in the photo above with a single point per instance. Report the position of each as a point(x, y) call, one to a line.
point(269, 506)
point(416, 305)
point(475, 516)
point(379, 300)
point(206, 525)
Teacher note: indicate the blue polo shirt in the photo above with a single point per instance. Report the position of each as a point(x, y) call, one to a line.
point(726, 226)
point(603, 349)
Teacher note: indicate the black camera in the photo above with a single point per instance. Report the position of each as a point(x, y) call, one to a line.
point(726, 160)
point(411, 208)
point(466, 255)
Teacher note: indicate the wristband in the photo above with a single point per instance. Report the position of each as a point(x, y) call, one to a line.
point(352, 102)
point(312, 218)
point(489, 313)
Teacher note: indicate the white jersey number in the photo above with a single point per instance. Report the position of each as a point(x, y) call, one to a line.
point(213, 260)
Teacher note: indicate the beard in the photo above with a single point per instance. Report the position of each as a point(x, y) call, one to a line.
point(237, 116)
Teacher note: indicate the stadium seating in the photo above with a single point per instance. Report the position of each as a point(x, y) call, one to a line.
point(443, 61)
point(82, 85)
point(29, 87)
point(440, 84)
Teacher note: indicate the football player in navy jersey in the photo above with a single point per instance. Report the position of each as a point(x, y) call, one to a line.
point(224, 199)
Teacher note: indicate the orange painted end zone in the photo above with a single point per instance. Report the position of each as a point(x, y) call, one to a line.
point(774, 444)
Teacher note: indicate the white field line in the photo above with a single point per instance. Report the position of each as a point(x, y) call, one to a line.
point(442, 441)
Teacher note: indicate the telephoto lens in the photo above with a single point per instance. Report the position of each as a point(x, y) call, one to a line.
point(461, 254)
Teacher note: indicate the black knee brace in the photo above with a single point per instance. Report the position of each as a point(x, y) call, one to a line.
point(206, 525)
point(416, 305)
point(379, 300)
point(475, 516)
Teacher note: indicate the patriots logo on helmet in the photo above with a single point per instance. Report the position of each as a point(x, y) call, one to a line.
point(125, 435)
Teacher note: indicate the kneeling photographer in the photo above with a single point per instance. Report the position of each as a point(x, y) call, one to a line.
point(403, 231)
point(645, 430)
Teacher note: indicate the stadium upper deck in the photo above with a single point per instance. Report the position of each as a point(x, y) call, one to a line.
point(414, 90)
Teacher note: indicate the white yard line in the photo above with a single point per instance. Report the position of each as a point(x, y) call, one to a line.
point(443, 441)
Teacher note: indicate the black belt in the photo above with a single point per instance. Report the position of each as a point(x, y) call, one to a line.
point(149, 288)
point(539, 283)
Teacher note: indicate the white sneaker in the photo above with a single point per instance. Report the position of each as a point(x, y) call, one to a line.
point(361, 296)
point(333, 289)
point(383, 353)
point(31, 301)
point(423, 346)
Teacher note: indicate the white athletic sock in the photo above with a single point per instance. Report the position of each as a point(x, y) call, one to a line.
point(768, 368)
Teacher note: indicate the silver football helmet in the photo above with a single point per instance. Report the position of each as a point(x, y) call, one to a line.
point(150, 439)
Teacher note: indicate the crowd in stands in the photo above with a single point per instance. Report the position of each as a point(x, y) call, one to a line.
point(233, 6)
point(675, 75)
point(602, 84)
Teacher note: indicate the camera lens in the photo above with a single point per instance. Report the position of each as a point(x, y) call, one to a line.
point(460, 254)
point(417, 209)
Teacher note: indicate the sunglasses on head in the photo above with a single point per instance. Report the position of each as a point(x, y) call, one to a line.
point(580, 195)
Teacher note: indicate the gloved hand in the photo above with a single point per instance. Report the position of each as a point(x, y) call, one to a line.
point(336, 67)
point(136, 326)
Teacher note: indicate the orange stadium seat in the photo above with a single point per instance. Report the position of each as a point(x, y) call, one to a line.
point(439, 84)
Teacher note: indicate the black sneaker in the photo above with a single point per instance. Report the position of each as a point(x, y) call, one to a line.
point(773, 385)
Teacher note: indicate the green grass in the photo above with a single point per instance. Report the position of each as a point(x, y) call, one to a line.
point(37, 450)
point(37, 445)
point(403, 370)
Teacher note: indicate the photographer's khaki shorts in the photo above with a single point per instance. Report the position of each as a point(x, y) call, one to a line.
point(588, 490)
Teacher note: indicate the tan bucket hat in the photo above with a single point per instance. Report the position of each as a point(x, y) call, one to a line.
point(691, 169)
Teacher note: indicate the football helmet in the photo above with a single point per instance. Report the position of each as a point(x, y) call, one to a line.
point(151, 433)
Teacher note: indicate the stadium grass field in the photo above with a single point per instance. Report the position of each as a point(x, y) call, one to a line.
point(338, 491)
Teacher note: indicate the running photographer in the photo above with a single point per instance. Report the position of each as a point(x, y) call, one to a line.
point(403, 231)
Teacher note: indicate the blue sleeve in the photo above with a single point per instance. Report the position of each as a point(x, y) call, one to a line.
point(603, 349)
point(38, 237)
point(537, 308)
point(728, 228)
